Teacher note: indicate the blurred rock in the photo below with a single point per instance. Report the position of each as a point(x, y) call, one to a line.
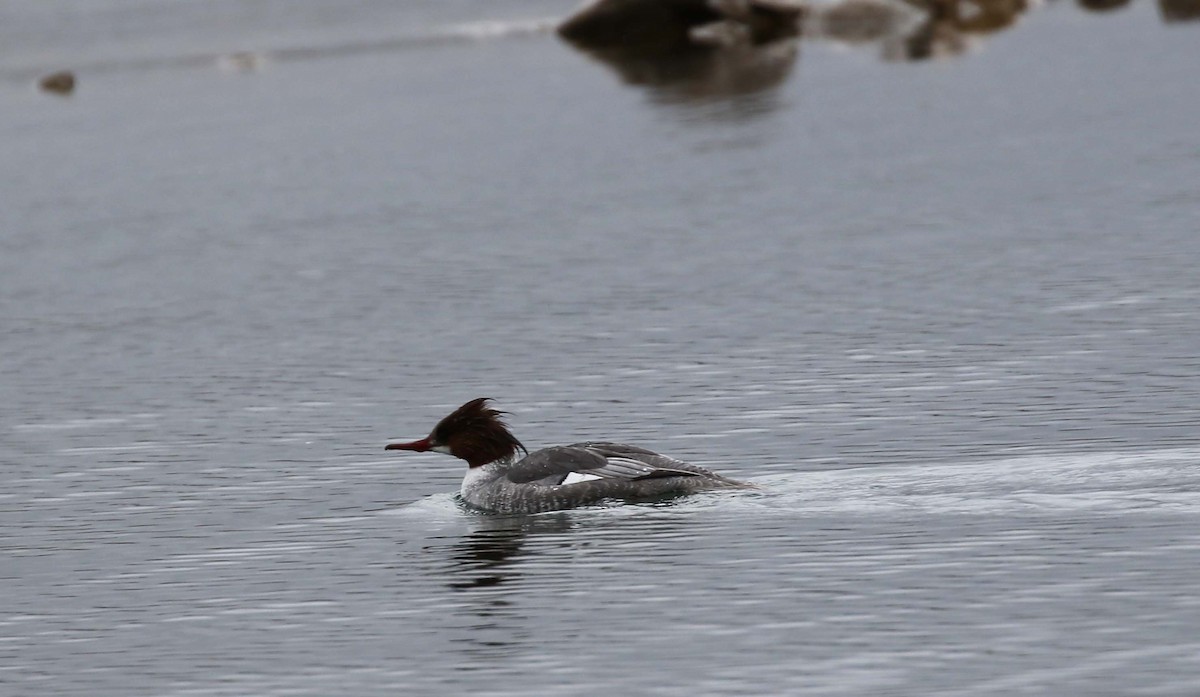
point(763, 20)
point(863, 21)
point(242, 62)
point(637, 25)
point(665, 26)
point(974, 16)
point(61, 82)
point(1179, 10)
point(951, 27)
point(1102, 5)
point(691, 50)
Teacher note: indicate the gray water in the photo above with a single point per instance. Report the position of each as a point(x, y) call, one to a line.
point(943, 311)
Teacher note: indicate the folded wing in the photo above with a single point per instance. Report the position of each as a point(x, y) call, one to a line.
point(601, 461)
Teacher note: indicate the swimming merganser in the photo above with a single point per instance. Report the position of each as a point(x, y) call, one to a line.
point(553, 478)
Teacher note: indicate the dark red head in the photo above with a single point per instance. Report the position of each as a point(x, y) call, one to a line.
point(474, 432)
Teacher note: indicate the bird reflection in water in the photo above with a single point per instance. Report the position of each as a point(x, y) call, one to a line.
point(484, 565)
point(487, 556)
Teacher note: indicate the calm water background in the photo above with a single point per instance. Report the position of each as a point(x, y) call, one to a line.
point(944, 311)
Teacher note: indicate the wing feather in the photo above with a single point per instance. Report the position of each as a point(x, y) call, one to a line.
point(602, 460)
point(558, 461)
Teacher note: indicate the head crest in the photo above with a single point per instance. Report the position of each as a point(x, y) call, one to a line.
point(476, 433)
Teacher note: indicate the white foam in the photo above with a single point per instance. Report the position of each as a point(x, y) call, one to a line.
point(1104, 483)
point(70, 424)
point(501, 28)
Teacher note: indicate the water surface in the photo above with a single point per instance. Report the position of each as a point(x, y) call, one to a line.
point(943, 310)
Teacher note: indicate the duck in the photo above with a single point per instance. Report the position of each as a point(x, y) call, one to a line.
point(504, 477)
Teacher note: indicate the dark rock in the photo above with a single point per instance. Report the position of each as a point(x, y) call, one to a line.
point(62, 82)
point(666, 26)
point(1179, 10)
point(1102, 5)
point(647, 25)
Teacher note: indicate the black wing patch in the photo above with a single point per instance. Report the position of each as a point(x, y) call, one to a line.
point(557, 461)
point(601, 460)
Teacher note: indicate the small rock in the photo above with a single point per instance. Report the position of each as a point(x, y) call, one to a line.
point(1179, 10)
point(242, 62)
point(62, 82)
